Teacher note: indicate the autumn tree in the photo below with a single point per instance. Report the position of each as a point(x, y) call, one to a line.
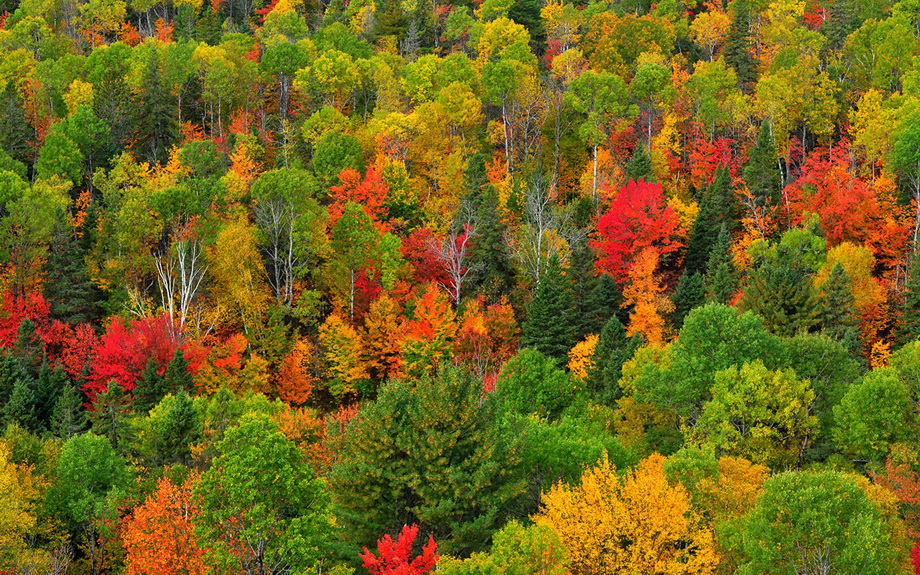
point(639, 522)
point(393, 557)
point(645, 294)
point(638, 218)
point(548, 327)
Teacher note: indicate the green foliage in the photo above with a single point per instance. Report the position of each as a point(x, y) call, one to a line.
point(717, 210)
point(690, 293)
point(516, 550)
point(110, 416)
point(87, 473)
point(807, 519)
point(613, 349)
point(427, 452)
point(533, 383)
point(761, 173)
point(721, 276)
point(873, 414)
point(839, 319)
point(549, 327)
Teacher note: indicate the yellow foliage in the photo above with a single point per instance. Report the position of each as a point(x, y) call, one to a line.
point(342, 351)
point(581, 357)
point(686, 212)
point(881, 353)
point(637, 524)
point(17, 502)
point(78, 93)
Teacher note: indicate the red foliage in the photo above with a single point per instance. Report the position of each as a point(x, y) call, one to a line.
point(904, 482)
point(370, 192)
point(915, 557)
point(14, 309)
point(638, 218)
point(705, 156)
point(125, 349)
point(393, 556)
point(427, 267)
point(72, 348)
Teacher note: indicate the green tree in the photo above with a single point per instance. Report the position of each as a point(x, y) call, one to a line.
point(177, 377)
point(355, 247)
point(21, 406)
point(150, 388)
point(110, 416)
point(533, 383)
point(613, 349)
point(721, 276)
point(761, 173)
point(262, 508)
point(739, 42)
point(549, 327)
point(873, 414)
point(814, 522)
point(690, 293)
point(640, 165)
point(717, 210)
point(427, 452)
point(156, 126)
point(68, 288)
point(758, 414)
point(839, 319)
point(908, 327)
point(69, 417)
point(334, 152)
point(177, 427)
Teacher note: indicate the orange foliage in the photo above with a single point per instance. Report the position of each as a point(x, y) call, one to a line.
point(159, 536)
point(370, 192)
point(295, 380)
point(488, 337)
point(383, 338)
point(646, 294)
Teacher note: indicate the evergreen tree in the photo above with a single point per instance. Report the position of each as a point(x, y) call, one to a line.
point(10, 374)
point(28, 348)
point(181, 428)
point(612, 351)
point(550, 327)
point(49, 386)
point(493, 275)
point(16, 132)
point(842, 20)
point(908, 328)
point(738, 44)
point(721, 277)
point(150, 388)
point(109, 419)
point(156, 126)
point(717, 209)
point(839, 319)
point(640, 165)
point(761, 173)
point(74, 298)
point(690, 293)
point(177, 377)
point(596, 297)
point(21, 407)
point(69, 417)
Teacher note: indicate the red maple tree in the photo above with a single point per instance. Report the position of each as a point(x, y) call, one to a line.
point(393, 556)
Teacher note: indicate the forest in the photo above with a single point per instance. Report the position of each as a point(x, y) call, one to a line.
point(399, 287)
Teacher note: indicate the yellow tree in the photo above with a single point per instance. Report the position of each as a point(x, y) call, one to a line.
point(342, 351)
point(639, 523)
point(646, 294)
point(18, 494)
point(236, 267)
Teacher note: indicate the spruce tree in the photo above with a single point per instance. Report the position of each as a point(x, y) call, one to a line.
point(156, 126)
point(738, 44)
point(839, 319)
point(73, 297)
point(690, 293)
point(550, 327)
point(717, 209)
point(150, 388)
point(640, 165)
point(21, 407)
point(780, 290)
point(49, 386)
point(721, 277)
point(761, 173)
point(10, 374)
point(493, 275)
point(69, 418)
point(177, 377)
point(28, 348)
point(110, 417)
point(613, 349)
point(596, 297)
point(180, 429)
point(908, 328)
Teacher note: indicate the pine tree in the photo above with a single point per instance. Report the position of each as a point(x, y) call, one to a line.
point(28, 348)
point(73, 296)
point(640, 165)
point(596, 297)
point(493, 275)
point(69, 417)
point(181, 428)
point(842, 19)
point(908, 328)
point(155, 122)
point(109, 419)
point(177, 377)
point(717, 209)
point(738, 44)
point(10, 374)
point(49, 386)
point(150, 388)
point(839, 319)
point(613, 349)
point(550, 327)
point(690, 293)
point(721, 277)
point(781, 292)
point(20, 409)
point(761, 173)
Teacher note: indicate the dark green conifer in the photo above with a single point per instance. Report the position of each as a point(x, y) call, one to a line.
point(738, 44)
point(110, 417)
point(28, 348)
point(550, 327)
point(908, 328)
point(150, 388)
point(839, 319)
point(690, 293)
point(180, 429)
point(49, 386)
point(73, 297)
point(761, 173)
point(20, 409)
point(640, 165)
point(721, 277)
point(717, 209)
point(177, 377)
point(155, 112)
point(69, 418)
point(613, 349)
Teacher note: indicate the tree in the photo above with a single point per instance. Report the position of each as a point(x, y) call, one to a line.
point(839, 319)
point(156, 124)
point(717, 210)
point(908, 327)
point(613, 349)
point(905, 160)
point(819, 522)
point(427, 452)
point(758, 414)
point(150, 388)
point(637, 523)
point(109, 419)
point(873, 414)
point(69, 418)
point(549, 327)
point(354, 246)
point(739, 42)
point(532, 383)
point(644, 293)
point(690, 293)
point(176, 430)
point(516, 550)
point(761, 173)
point(637, 219)
point(262, 508)
point(393, 556)
point(721, 275)
point(177, 377)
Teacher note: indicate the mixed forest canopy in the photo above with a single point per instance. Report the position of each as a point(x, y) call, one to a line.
point(496, 286)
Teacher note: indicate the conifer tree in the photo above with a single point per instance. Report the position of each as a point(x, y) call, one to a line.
point(839, 319)
point(49, 386)
point(10, 373)
point(717, 209)
point(550, 327)
point(156, 126)
point(761, 173)
point(596, 297)
point(177, 377)
point(110, 416)
point(28, 348)
point(68, 417)
point(690, 293)
point(738, 44)
point(613, 349)
point(20, 409)
point(909, 322)
point(640, 165)
point(493, 274)
point(180, 429)
point(73, 296)
point(150, 388)
point(721, 277)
